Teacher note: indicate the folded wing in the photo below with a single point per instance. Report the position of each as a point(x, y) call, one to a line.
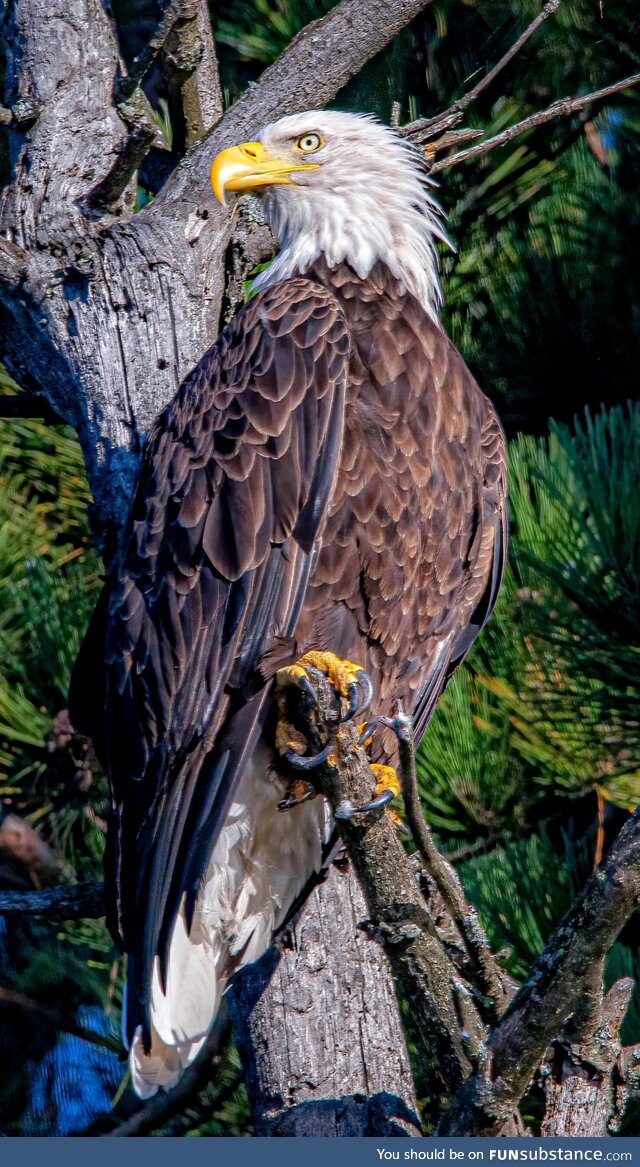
point(234, 485)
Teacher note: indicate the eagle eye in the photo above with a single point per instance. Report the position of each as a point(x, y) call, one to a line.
point(308, 143)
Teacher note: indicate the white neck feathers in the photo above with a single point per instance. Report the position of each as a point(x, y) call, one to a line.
point(374, 206)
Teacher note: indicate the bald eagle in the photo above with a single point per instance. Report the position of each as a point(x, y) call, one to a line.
point(328, 477)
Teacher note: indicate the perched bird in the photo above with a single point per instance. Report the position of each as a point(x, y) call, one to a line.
point(329, 478)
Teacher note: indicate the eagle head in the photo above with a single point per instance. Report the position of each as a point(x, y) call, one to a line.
point(344, 186)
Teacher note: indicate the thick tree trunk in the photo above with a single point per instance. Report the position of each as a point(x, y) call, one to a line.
point(106, 318)
point(319, 1028)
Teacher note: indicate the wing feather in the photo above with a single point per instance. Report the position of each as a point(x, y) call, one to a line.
point(235, 482)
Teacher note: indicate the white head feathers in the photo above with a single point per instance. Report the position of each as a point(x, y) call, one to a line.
point(367, 200)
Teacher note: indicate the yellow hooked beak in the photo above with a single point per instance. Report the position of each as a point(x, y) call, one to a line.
point(249, 166)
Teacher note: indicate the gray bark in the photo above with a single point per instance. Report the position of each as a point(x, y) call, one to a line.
point(105, 318)
point(323, 1042)
point(104, 314)
point(565, 983)
point(585, 1079)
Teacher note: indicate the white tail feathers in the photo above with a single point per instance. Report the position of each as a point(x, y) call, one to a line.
point(260, 863)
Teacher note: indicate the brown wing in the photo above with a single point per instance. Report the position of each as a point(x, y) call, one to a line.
point(485, 528)
point(234, 484)
point(414, 546)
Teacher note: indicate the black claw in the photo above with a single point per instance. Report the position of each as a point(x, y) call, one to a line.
point(289, 803)
point(360, 695)
point(353, 693)
point(305, 684)
point(299, 763)
point(367, 732)
point(375, 804)
point(365, 685)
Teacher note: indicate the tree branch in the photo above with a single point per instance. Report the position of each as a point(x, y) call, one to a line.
point(58, 1020)
point(142, 134)
point(80, 901)
point(191, 72)
point(449, 117)
point(562, 108)
point(19, 405)
point(315, 66)
point(441, 1004)
point(318, 1026)
point(581, 1096)
point(61, 66)
point(560, 979)
point(492, 982)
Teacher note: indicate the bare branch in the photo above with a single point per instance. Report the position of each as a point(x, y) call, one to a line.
point(560, 979)
point(315, 66)
point(60, 82)
point(581, 1096)
point(81, 901)
point(143, 134)
point(492, 982)
point(562, 108)
point(334, 1061)
point(441, 1004)
point(51, 1016)
point(191, 71)
point(415, 130)
point(154, 46)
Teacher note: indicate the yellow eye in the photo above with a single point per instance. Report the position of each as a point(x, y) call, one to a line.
point(308, 143)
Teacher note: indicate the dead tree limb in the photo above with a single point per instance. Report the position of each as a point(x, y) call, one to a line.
point(489, 979)
point(449, 117)
point(585, 1080)
point(561, 979)
point(113, 311)
point(563, 108)
point(318, 1027)
point(109, 311)
point(105, 313)
point(54, 1018)
point(442, 1015)
point(191, 71)
point(79, 901)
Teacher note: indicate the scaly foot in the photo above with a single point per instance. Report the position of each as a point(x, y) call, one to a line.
point(350, 681)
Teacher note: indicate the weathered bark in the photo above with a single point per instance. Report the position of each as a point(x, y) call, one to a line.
point(103, 314)
point(319, 1029)
point(191, 71)
point(106, 317)
point(80, 901)
point(405, 916)
point(566, 978)
point(585, 1078)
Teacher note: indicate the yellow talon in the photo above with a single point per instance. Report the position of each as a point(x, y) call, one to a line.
point(386, 779)
point(291, 675)
point(341, 673)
